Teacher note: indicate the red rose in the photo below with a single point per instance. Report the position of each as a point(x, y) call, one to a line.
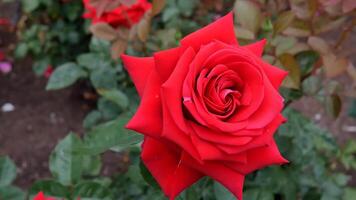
point(48, 72)
point(208, 108)
point(41, 196)
point(122, 15)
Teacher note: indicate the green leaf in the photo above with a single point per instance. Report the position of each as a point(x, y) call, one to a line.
point(104, 78)
point(170, 13)
point(108, 109)
point(64, 76)
point(289, 63)
point(29, 6)
point(349, 194)
point(11, 193)
point(248, 14)
point(7, 171)
point(307, 60)
point(283, 21)
point(110, 134)
point(90, 61)
point(93, 118)
point(352, 110)
point(66, 164)
point(186, 7)
point(91, 191)
point(21, 50)
point(40, 66)
point(258, 194)
point(49, 188)
point(221, 193)
point(333, 105)
point(91, 165)
point(115, 96)
point(99, 46)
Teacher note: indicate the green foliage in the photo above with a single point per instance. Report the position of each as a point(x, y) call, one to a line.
point(7, 176)
point(66, 164)
point(64, 76)
point(54, 33)
point(7, 171)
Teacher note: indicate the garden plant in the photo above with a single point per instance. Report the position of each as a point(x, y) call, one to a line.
point(198, 96)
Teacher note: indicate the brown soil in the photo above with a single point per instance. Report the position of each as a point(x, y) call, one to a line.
point(40, 119)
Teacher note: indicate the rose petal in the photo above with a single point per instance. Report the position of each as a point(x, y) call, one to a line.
point(274, 74)
point(259, 141)
point(166, 61)
point(139, 69)
point(164, 163)
point(172, 89)
point(270, 155)
point(270, 107)
point(148, 117)
point(212, 32)
point(257, 47)
point(209, 151)
point(231, 179)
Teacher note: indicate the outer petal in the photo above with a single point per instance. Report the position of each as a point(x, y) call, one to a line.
point(270, 156)
point(166, 61)
point(148, 117)
point(222, 30)
point(231, 179)
point(139, 69)
point(257, 47)
point(274, 74)
point(164, 162)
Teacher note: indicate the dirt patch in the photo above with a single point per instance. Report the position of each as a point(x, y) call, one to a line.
point(39, 121)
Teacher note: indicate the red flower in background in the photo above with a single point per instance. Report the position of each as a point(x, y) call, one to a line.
point(2, 56)
point(116, 12)
point(48, 72)
point(41, 196)
point(209, 107)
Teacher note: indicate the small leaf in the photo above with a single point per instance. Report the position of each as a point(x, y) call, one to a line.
point(29, 6)
point(258, 194)
point(334, 66)
point(64, 76)
point(118, 47)
point(352, 109)
point(7, 171)
point(319, 45)
point(91, 190)
point(248, 14)
point(243, 33)
point(90, 61)
point(92, 119)
point(143, 28)
point(333, 105)
point(221, 193)
point(283, 21)
point(292, 66)
point(111, 134)
point(307, 60)
point(11, 193)
point(91, 165)
point(116, 96)
point(157, 6)
point(349, 194)
point(49, 188)
point(65, 164)
point(103, 31)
